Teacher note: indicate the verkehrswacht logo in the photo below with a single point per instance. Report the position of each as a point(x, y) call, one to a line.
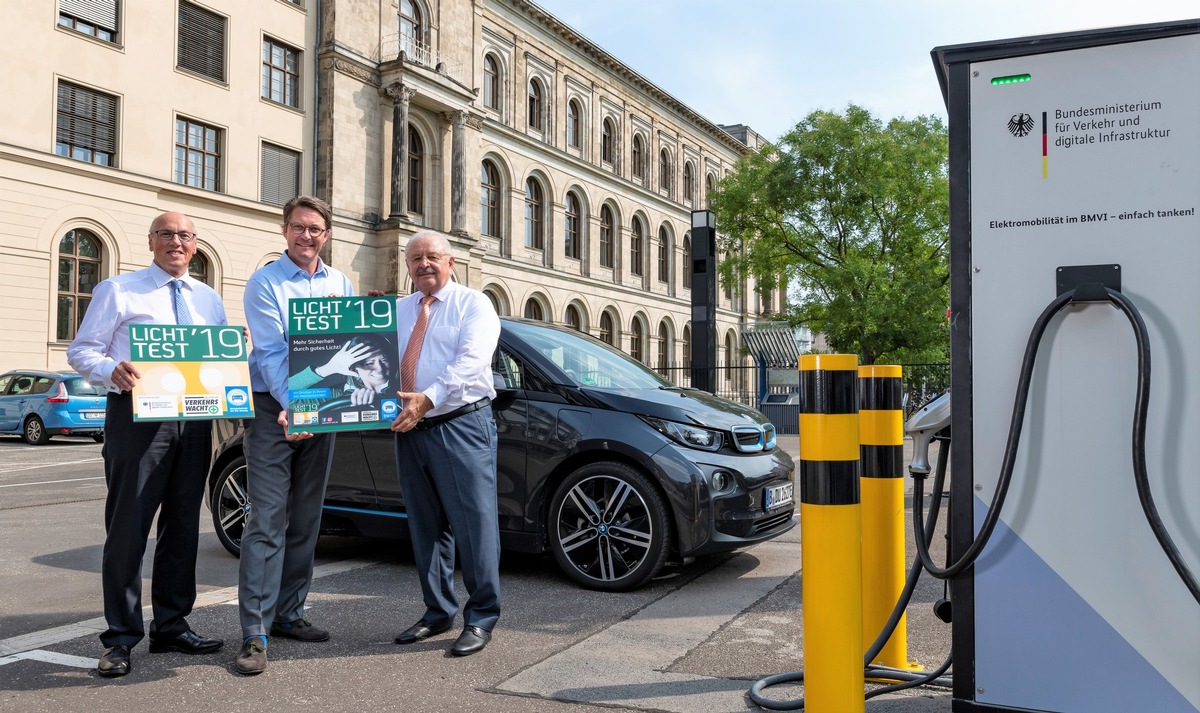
point(1020, 125)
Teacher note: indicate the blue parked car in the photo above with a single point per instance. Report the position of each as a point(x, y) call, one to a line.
point(38, 404)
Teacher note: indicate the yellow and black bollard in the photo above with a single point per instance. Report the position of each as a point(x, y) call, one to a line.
point(830, 539)
point(881, 432)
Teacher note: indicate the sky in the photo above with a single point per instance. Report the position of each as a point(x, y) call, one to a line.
point(772, 62)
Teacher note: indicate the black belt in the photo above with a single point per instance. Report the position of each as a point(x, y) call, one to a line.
point(431, 421)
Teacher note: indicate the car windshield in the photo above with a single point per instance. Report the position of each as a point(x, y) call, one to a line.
point(587, 361)
point(80, 387)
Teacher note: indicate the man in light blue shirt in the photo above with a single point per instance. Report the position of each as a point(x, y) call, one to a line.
point(286, 472)
point(149, 466)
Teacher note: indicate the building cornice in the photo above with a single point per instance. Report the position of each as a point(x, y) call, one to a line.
point(593, 51)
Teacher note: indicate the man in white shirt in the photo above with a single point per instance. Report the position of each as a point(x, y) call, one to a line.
point(150, 467)
point(446, 444)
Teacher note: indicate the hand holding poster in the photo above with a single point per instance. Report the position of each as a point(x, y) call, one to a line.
point(191, 372)
point(343, 364)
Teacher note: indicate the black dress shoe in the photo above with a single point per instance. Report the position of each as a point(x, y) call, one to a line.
point(471, 640)
point(420, 631)
point(114, 662)
point(189, 642)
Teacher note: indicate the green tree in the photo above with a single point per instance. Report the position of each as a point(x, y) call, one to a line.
point(851, 216)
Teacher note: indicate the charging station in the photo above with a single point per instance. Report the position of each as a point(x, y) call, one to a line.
point(1075, 165)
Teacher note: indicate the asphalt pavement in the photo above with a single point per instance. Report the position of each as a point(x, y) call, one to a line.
point(695, 639)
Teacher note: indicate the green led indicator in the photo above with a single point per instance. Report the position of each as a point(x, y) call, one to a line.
point(1011, 79)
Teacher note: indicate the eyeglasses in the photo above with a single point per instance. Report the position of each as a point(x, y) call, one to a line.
point(168, 235)
point(312, 230)
point(431, 257)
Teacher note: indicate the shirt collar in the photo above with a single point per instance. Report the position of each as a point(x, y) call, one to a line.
point(290, 268)
point(162, 277)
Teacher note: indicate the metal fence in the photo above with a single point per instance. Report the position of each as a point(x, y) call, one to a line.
point(921, 382)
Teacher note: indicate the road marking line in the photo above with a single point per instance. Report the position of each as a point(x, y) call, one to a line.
point(50, 465)
point(48, 637)
point(624, 665)
point(50, 482)
point(51, 657)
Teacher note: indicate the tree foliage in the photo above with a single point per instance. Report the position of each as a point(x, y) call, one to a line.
point(851, 216)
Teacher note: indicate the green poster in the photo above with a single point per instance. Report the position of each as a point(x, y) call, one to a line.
point(192, 372)
point(343, 364)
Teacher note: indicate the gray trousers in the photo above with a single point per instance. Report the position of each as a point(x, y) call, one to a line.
point(448, 477)
point(286, 487)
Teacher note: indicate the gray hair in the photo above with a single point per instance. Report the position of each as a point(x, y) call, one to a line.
point(440, 241)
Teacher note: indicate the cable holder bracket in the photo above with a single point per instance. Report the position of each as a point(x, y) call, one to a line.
point(1089, 282)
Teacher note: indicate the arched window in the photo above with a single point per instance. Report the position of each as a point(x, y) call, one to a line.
point(606, 328)
point(498, 303)
point(533, 310)
point(606, 237)
point(198, 268)
point(689, 183)
point(664, 254)
point(636, 240)
point(607, 137)
point(416, 163)
point(664, 347)
point(534, 215)
point(637, 158)
point(637, 340)
point(729, 350)
point(664, 171)
point(536, 103)
point(574, 130)
point(728, 283)
point(491, 82)
point(685, 348)
point(709, 182)
point(687, 261)
point(571, 235)
point(573, 319)
point(489, 198)
point(79, 260)
point(412, 30)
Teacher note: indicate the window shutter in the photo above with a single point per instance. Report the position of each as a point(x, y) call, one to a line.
point(201, 41)
point(87, 118)
point(102, 13)
point(280, 175)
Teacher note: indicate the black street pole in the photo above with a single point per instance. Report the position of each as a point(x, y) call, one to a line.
point(704, 300)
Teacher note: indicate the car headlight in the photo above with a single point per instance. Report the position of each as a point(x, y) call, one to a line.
point(704, 439)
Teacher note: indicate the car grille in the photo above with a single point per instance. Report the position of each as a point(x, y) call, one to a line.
point(770, 523)
point(749, 527)
point(752, 439)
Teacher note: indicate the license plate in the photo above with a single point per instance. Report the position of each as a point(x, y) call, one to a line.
point(777, 495)
point(92, 415)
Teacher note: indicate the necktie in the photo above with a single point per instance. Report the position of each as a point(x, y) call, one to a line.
point(182, 314)
point(408, 365)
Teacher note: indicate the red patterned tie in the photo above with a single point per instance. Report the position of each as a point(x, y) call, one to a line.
point(408, 365)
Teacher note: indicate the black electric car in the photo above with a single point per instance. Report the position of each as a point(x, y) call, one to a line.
point(601, 461)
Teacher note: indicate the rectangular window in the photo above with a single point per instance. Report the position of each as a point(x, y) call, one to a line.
point(197, 155)
point(97, 18)
point(201, 41)
point(86, 125)
point(279, 179)
point(280, 73)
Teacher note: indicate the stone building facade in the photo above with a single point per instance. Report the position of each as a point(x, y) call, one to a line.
point(565, 178)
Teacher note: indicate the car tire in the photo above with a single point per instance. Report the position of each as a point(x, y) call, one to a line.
point(608, 527)
point(98, 438)
point(34, 432)
point(229, 504)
